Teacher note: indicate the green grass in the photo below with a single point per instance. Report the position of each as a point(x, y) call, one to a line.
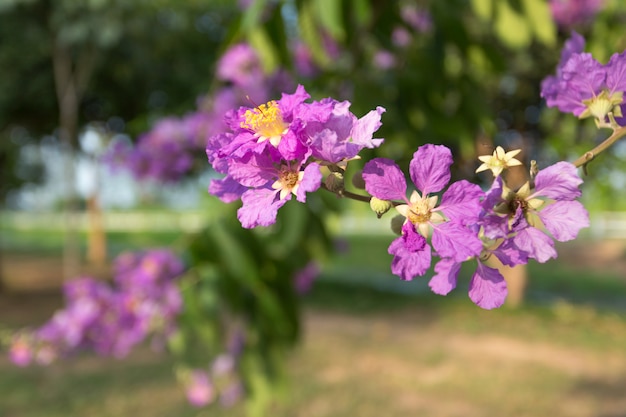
point(371, 353)
point(377, 346)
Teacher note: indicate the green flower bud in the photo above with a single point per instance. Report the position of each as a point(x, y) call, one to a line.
point(334, 182)
point(396, 224)
point(358, 181)
point(379, 206)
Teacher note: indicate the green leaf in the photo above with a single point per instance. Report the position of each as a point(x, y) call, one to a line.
point(483, 8)
point(540, 20)
point(311, 36)
point(263, 45)
point(511, 27)
point(253, 14)
point(328, 13)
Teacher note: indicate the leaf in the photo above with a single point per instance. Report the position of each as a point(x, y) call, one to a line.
point(311, 36)
point(511, 27)
point(263, 45)
point(328, 13)
point(483, 8)
point(540, 20)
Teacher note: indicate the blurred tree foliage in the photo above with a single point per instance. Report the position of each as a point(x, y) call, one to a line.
point(129, 62)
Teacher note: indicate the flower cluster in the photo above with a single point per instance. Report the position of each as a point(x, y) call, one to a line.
point(277, 149)
point(109, 320)
point(585, 87)
point(469, 224)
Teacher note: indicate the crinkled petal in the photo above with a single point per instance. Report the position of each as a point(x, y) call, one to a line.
point(454, 240)
point(364, 129)
point(558, 182)
point(430, 168)
point(536, 244)
point(384, 179)
point(227, 189)
point(260, 207)
point(564, 219)
point(289, 102)
point(413, 241)
point(487, 288)
point(290, 146)
point(254, 170)
point(445, 278)
point(311, 181)
point(461, 201)
point(574, 45)
point(616, 72)
point(407, 264)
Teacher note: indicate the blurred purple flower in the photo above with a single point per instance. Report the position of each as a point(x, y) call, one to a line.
point(200, 389)
point(303, 280)
point(419, 19)
point(240, 65)
point(111, 320)
point(569, 13)
point(384, 60)
point(583, 86)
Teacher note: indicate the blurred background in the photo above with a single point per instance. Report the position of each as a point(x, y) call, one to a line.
point(105, 109)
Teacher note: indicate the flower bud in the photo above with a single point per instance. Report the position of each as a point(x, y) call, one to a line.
point(396, 224)
point(358, 181)
point(379, 206)
point(334, 182)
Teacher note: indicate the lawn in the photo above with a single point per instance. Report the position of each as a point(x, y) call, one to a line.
point(375, 346)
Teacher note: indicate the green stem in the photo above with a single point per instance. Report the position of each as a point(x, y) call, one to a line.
point(357, 197)
point(588, 156)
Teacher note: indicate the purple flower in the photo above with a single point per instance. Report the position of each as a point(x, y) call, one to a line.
point(274, 184)
point(240, 65)
point(585, 87)
point(277, 149)
point(270, 124)
point(21, 350)
point(200, 390)
point(568, 13)
point(447, 223)
point(111, 320)
point(334, 134)
point(303, 280)
point(419, 19)
point(520, 216)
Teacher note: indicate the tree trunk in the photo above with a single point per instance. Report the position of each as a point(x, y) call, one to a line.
point(68, 101)
point(96, 244)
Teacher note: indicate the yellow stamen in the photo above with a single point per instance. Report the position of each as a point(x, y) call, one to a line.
point(266, 122)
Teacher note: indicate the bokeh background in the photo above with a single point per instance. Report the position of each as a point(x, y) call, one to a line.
point(105, 108)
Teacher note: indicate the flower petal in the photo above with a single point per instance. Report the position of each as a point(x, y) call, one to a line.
point(384, 179)
point(227, 189)
point(260, 207)
point(564, 219)
point(445, 278)
point(453, 240)
point(407, 264)
point(311, 181)
point(487, 289)
point(430, 168)
point(558, 182)
point(536, 244)
point(461, 201)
